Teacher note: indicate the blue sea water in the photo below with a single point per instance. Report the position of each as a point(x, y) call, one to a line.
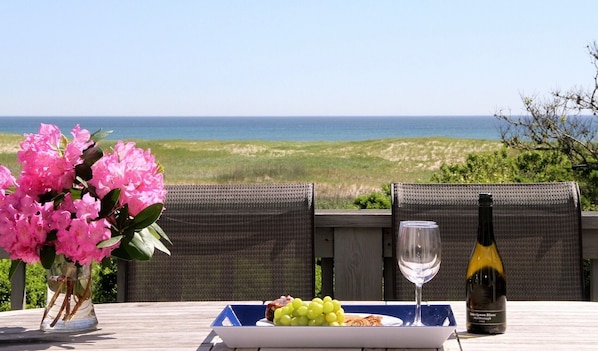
point(268, 128)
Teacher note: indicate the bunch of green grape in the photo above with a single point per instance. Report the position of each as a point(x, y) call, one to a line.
point(317, 312)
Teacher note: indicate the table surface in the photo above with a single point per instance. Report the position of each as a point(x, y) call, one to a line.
point(532, 325)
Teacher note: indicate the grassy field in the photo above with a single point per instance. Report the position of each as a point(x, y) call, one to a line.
point(340, 170)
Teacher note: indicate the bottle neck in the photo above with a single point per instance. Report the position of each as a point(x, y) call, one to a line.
point(485, 226)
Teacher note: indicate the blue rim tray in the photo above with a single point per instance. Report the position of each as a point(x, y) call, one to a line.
point(236, 326)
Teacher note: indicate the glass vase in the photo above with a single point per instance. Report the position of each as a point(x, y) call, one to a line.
point(69, 307)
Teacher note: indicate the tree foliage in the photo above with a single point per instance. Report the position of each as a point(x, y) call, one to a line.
point(564, 123)
point(501, 167)
point(509, 166)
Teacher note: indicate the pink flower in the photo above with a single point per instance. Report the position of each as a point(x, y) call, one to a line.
point(80, 241)
point(46, 205)
point(6, 180)
point(23, 226)
point(48, 162)
point(134, 172)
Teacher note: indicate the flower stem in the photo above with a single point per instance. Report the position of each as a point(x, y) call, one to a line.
point(54, 297)
point(82, 298)
point(65, 303)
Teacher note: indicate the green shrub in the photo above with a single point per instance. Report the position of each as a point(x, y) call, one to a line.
point(4, 286)
point(104, 282)
point(375, 200)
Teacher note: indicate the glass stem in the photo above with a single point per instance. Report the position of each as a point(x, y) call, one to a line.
point(417, 320)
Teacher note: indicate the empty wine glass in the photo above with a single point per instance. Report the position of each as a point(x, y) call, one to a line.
point(419, 255)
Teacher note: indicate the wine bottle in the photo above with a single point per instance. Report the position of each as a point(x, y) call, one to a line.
point(486, 284)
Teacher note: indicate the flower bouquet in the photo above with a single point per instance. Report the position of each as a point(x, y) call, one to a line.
point(73, 205)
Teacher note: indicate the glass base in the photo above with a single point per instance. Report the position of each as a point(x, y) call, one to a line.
point(72, 326)
point(69, 307)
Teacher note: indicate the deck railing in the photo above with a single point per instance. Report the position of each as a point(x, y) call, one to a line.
point(355, 247)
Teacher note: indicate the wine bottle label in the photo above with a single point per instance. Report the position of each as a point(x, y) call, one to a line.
point(486, 317)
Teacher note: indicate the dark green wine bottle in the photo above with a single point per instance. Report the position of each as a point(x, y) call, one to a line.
point(486, 284)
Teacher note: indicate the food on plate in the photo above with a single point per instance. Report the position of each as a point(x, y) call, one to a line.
point(363, 321)
point(317, 312)
point(274, 304)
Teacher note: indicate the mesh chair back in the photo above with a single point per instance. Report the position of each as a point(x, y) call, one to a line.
point(230, 242)
point(537, 229)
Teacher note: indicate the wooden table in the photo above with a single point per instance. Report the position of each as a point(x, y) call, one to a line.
point(532, 325)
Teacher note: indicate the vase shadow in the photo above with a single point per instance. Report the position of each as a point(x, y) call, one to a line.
point(18, 338)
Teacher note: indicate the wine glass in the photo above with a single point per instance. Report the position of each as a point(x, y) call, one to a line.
point(419, 255)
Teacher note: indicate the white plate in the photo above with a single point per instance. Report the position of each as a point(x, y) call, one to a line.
point(389, 321)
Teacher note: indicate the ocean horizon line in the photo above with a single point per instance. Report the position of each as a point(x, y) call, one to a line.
point(272, 128)
point(243, 116)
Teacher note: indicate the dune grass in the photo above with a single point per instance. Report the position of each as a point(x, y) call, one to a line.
point(340, 170)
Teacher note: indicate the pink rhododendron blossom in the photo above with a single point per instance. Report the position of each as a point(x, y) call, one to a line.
point(80, 240)
point(132, 170)
point(6, 180)
point(46, 164)
point(75, 148)
point(46, 206)
point(26, 220)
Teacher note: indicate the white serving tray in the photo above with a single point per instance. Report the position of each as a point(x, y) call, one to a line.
point(236, 326)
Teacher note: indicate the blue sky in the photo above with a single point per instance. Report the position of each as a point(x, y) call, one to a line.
point(279, 58)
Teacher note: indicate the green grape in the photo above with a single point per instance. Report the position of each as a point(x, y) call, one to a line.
point(297, 302)
point(301, 320)
point(316, 307)
point(340, 315)
point(312, 314)
point(321, 320)
point(328, 307)
point(285, 320)
point(302, 310)
point(317, 312)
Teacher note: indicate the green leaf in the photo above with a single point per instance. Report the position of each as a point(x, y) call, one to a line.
point(51, 235)
point(160, 232)
point(109, 242)
point(99, 134)
point(121, 253)
point(139, 249)
point(77, 194)
point(83, 171)
point(150, 238)
point(13, 267)
point(91, 155)
point(122, 219)
point(47, 256)
point(148, 216)
point(109, 203)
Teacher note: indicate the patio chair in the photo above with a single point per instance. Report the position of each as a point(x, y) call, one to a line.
point(230, 242)
point(537, 229)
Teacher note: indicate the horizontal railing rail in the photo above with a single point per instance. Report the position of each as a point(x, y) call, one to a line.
point(355, 247)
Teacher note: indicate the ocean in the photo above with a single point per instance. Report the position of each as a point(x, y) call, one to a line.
point(268, 128)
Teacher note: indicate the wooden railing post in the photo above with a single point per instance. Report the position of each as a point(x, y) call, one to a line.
point(17, 285)
point(589, 225)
